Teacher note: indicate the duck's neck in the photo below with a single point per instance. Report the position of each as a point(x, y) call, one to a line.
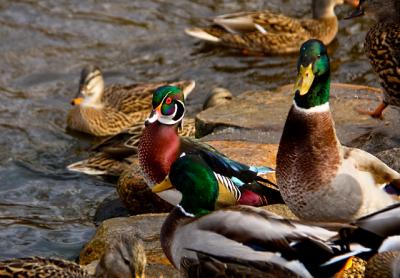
point(323, 8)
point(171, 223)
point(317, 96)
point(158, 148)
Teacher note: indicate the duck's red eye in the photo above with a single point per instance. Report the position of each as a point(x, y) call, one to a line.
point(168, 100)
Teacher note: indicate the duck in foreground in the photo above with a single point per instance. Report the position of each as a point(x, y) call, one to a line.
point(243, 240)
point(272, 33)
point(320, 179)
point(107, 111)
point(382, 47)
point(124, 258)
point(160, 145)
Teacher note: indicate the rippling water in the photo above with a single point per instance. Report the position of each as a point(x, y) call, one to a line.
point(44, 209)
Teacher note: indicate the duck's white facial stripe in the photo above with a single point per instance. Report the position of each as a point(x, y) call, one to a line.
point(185, 212)
point(316, 109)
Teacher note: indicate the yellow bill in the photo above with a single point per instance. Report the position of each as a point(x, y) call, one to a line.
point(162, 186)
point(304, 80)
point(77, 101)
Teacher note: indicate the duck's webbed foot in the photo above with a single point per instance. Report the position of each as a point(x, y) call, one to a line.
point(377, 113)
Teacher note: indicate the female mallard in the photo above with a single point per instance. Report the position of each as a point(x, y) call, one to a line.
point(124, 258)
point(103, 112)
point(243, 237)
point(160, 145)
point(382, 47)
point(320, 179)
point(272, 33)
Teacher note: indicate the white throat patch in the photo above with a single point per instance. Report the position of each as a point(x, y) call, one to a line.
point(185, 212)
point(316, 109)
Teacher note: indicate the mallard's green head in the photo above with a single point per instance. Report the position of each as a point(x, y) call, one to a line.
point(191, 176)
point(168, 105)
point(313, 78)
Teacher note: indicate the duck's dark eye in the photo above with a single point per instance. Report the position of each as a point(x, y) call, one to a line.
point(319, 56)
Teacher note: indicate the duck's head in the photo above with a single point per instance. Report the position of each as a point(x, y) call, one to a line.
point(380, 10)
point(91, 87)
point(124, 257)
point(168, 106)
point(197, 183)
point(326, 8)
point(313, 79)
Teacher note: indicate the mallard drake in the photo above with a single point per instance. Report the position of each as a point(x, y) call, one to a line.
point(243, 237)
point(107, 111)
point(272, 33)
point(382, 47)
point(124, 257)
point(160, 145)
point(320, 179)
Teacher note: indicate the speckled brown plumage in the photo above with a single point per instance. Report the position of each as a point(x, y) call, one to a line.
point(381, 265)
point(41, 267)
point(282, 34)
point(382, 47)
point(280, 39)
point(308, 149)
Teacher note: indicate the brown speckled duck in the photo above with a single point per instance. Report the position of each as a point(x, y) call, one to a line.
point(124, 258)
point(272, 33)
point(107, 111)
point(382, 47)
point(320, 179)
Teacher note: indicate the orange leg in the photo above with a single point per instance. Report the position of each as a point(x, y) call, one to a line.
point(377, 113)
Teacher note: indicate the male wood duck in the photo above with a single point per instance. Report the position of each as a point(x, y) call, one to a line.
point(320, 179)
point(199, 239)
point(272, 33)
point(382, 47)
point(123, 258)
point(103, 111)
point(160, 145)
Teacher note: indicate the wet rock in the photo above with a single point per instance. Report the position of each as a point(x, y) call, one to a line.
point(147, 227)
point(136, 195)
point(266, 111)
point(110, 207)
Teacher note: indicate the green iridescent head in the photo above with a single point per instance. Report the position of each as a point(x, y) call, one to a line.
point(168, 105)
point(191, 176)
point(313, 80)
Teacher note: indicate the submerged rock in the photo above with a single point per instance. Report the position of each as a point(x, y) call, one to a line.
point(265, 111)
